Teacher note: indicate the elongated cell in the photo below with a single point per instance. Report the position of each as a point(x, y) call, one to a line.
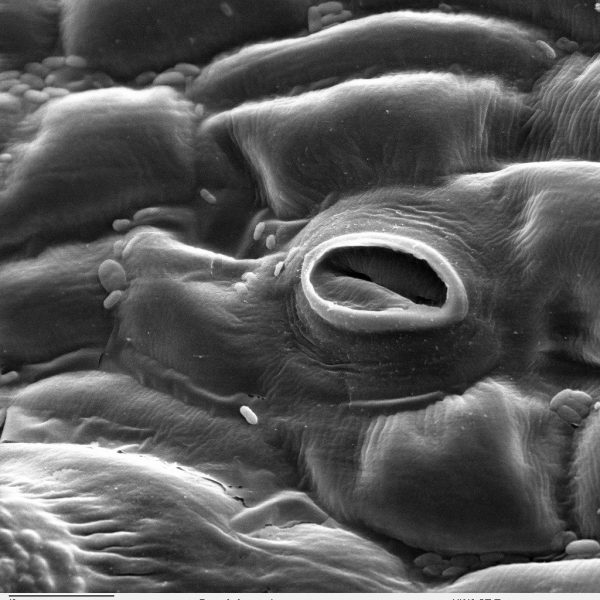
point(126, 38)
point(372, 46)
point(87, 159)
point(408, 128)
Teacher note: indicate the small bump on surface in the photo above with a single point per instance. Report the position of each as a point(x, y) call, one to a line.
point(270, 242)
point(258, 231)
point(145, 78)
point(112, 276)
point(56, 92)
point(36, 96)
point(226, 9)
point(427, 559)
point(54, 62)
point(113, 299)
point(76, 62)
point(172, 78)
point(121, 225)
point(249, 415)
point(567, 45)
point(314, 20)
point(278, 268)
point(207, 196)
point(331, 7)
point(547, 49)
point(454, 571)
point(585, 547)
point(9, 378)
point(187, 69)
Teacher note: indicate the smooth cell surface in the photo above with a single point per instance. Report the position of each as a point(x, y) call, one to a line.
point(299, 296)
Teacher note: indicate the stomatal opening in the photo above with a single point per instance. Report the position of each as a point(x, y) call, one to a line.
point(374, 281)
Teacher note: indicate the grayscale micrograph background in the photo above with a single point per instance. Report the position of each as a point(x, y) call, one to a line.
point(299, 296)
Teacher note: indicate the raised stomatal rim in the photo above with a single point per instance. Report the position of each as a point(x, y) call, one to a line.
point(415, 316)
